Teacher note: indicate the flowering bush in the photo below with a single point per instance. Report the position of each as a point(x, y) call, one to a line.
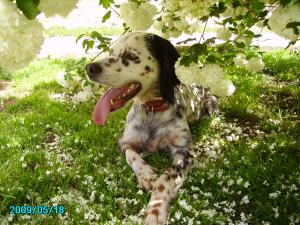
point(282, 20)
point(20, 38)
point(209, 76)
point(57, 7)
point(170, 18)
point(130, 11)
point(21, 35)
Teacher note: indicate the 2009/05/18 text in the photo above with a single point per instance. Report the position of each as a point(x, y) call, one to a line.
point(38, 209)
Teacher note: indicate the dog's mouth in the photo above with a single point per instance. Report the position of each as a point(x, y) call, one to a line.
point(114, 99)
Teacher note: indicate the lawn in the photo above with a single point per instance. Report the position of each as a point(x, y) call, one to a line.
point(247, 169)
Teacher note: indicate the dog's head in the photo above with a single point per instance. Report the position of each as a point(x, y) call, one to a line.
point(137, 61)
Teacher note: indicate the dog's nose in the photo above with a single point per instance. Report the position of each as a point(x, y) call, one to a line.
point(93, 69)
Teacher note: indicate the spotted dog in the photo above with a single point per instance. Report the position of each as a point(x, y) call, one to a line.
point(140, 66)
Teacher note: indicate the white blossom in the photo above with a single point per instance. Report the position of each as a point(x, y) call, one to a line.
point(138, 17)
point(223, 33)
point(209, 76)
point(182, 16)
point(20, 38)
point(255, 64)
point(240, 60)
point(241, 11)
point(281, 16)
point(57, 7)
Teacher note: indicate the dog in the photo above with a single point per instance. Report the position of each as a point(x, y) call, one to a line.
point(140, 66)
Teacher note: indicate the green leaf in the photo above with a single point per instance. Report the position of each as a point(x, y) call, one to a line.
point(211, 59)
point(106, 16)
point(258, 5)
point(185, 60)
point(79, 37)
point(240, 44)
point(294, 26)
point(29, 8)
point(105, 3)
point(289, 2)
point(198, 49)
point(87, 44)
point(249, 33)
point(95, 35)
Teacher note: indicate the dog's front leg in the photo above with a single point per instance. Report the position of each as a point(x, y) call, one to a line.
point(166, 187)
point(143, 171)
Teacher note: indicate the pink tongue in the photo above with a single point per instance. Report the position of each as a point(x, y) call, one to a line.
point(103, 106)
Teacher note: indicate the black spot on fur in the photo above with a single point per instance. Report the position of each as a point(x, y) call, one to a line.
point(112, 60)
point(149, 58)
point(129, 56)
point(107, 64)
point(119, 70)
point(166, 55)
point(147, 69)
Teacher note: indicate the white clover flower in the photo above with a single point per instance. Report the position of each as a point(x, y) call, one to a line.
point(223, 33)
point(255, 64)
point(245, 200)
point(20, 38)
point(274, 195)
point(178, 215)
point(243, 217)
point(239, 181)
point(60, 79)
point(209, 212)
point(246, 184)
point(57, 7)
point(281, 16)
point(240, 60)
point(209, 76)
point(67, 83)
point(83, 96)
point(138, 17)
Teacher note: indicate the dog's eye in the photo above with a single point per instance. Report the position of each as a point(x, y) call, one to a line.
point(129, 56)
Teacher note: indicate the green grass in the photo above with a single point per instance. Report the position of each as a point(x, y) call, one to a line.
point(248, 156)
point(62, 31)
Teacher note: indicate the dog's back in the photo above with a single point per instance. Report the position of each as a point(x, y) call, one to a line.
point(196, 101)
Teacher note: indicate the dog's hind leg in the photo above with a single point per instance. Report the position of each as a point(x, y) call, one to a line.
point(167, 185)
point(142, 170)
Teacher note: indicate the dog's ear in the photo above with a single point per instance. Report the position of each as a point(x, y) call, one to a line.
point(166, 55)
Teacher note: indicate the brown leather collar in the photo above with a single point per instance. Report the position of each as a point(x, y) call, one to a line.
point(156, 106)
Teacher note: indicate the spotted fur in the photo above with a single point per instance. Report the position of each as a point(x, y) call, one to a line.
point(149, 60)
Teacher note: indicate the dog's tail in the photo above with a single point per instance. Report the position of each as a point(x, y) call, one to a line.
point(196, 100)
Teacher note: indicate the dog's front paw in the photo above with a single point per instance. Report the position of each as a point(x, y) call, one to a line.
point(146, 177)
point(154, 216)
